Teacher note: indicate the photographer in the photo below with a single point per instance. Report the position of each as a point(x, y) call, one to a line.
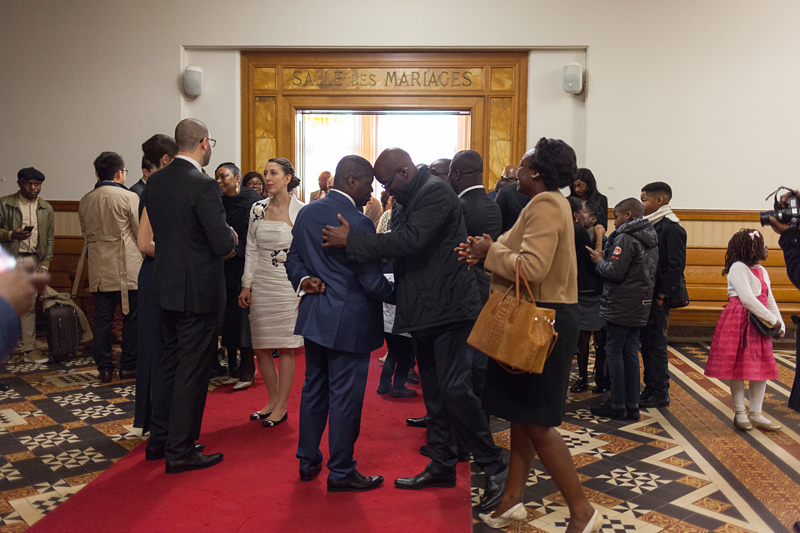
point(790, 244)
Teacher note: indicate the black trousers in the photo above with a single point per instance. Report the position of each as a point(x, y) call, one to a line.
point(150, 346)
point(181, 383)
point(654, 350)
point(445, 367)
point(105, 303)
point(398, 361)
point(794, 397)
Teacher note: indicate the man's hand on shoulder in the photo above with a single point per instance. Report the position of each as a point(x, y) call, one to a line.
point(312, 286)
point(336, 237)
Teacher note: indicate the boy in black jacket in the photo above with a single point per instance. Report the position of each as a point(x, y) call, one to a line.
point(671, 263)
point(629, 270)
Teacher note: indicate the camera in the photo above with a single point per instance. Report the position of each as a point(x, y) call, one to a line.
point(790, 214)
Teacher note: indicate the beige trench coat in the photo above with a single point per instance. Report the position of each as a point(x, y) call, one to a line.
point(109, 218)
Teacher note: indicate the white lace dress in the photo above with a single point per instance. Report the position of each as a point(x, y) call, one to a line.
point(273, 301)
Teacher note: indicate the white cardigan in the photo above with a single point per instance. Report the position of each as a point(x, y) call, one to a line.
point(743, 284)
point(257, 212)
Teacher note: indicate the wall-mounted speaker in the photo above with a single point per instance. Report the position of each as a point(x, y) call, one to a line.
point(193, 81)
point(572, 81)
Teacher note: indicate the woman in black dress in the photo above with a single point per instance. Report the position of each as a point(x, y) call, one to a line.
point(585, 187)
point(543, 242)
point(237, 202)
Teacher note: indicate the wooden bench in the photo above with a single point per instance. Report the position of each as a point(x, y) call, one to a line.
point(708, 288)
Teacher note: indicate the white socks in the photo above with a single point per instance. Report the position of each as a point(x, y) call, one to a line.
point(757, 390)
point(737, 391)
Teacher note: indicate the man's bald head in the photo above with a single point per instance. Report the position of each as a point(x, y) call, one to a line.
point(510, 172)
point(189, 133)
point(440, 168)
point(394, 169)
point(466, 170)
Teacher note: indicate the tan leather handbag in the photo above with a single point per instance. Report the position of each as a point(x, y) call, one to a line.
point(516, 333)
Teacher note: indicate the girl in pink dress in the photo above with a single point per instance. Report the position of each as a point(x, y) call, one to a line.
point(738, 351)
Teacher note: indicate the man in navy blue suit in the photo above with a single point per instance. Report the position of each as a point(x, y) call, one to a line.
point(341, 319)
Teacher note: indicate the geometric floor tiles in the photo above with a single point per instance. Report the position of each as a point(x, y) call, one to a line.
point(59, 429)
point(680, 469)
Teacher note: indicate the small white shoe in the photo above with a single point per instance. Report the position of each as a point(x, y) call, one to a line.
point(230, 381)
point(243, 384)
point(518, 513)
point(595, 523)
point(35, 356)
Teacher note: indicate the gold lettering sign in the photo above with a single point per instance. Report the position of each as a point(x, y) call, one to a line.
point(348, 79)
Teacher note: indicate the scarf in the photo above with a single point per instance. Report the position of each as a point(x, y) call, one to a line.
point(664, 211)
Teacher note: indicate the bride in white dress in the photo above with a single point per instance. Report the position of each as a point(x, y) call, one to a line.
point(268, 291)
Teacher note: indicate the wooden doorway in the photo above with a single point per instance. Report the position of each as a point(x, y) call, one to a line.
point(490, 86)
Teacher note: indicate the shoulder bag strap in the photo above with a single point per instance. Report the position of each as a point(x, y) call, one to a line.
point(79, 272)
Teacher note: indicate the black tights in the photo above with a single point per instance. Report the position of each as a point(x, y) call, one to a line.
point(583, 353)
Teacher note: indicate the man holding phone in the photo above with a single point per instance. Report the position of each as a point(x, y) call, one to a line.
point(26, 232)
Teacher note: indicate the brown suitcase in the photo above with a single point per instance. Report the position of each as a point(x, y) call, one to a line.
point(63, 332)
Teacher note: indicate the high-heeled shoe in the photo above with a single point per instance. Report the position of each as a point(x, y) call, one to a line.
point(243, 384)
point(259, 416)
point(231, 381)
point(580, 385)
point(267, 423)
point(517, 514)
point(595, 523)
point(770, 426)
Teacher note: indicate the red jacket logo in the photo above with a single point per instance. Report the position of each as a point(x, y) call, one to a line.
point(617, 251)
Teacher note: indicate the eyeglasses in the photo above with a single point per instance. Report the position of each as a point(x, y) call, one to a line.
point(390, 180)
point(125, 170)
point(213, 142)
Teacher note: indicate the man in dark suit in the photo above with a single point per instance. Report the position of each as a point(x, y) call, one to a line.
point(437, 302)
point(511, 203)
point(341, 319)
point(481, 216)
point(191, 240)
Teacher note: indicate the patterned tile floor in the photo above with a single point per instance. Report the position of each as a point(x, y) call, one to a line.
point(681, 469)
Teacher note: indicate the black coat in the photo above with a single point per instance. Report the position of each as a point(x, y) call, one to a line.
point(671, 256)
point(790, 244)
point(481, 215)
point(432, 287)
point(191, 236)
point(511, 203)
point(588, 280)
point(237, 215)
point(629, 271)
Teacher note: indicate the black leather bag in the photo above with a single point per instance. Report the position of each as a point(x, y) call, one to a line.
point(679, 298)
point(763, 329)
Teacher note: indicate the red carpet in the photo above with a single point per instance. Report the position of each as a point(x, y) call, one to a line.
point(257, 488)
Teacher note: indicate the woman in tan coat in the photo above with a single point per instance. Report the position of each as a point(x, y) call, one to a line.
point(543, 240)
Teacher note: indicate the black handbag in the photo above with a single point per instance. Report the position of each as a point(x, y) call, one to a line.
point(680, 297)
point(763, 329)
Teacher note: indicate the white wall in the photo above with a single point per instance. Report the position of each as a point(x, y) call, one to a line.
point(678, 90)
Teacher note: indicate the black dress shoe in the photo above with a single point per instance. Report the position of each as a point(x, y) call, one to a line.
point(310, 473)
point(796, 527)
point(4, 387)
point(599, 390)
point(259, 416)
point(417, 422)
point(383, 389)
point(413, 377)
point(403, 392)
point(606, 410)
point(355, 482)
point(424, 450)
point(105, 376)
point(425, 480)
point(267, 423)
point(645, 394)
point(632, 414)
point(657, 399)
point(196, 461)
point(127, 374)
point(580, 385)
point(156, 453)
point(493, 492)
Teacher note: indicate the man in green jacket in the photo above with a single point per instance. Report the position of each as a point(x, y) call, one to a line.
point(27, 233)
